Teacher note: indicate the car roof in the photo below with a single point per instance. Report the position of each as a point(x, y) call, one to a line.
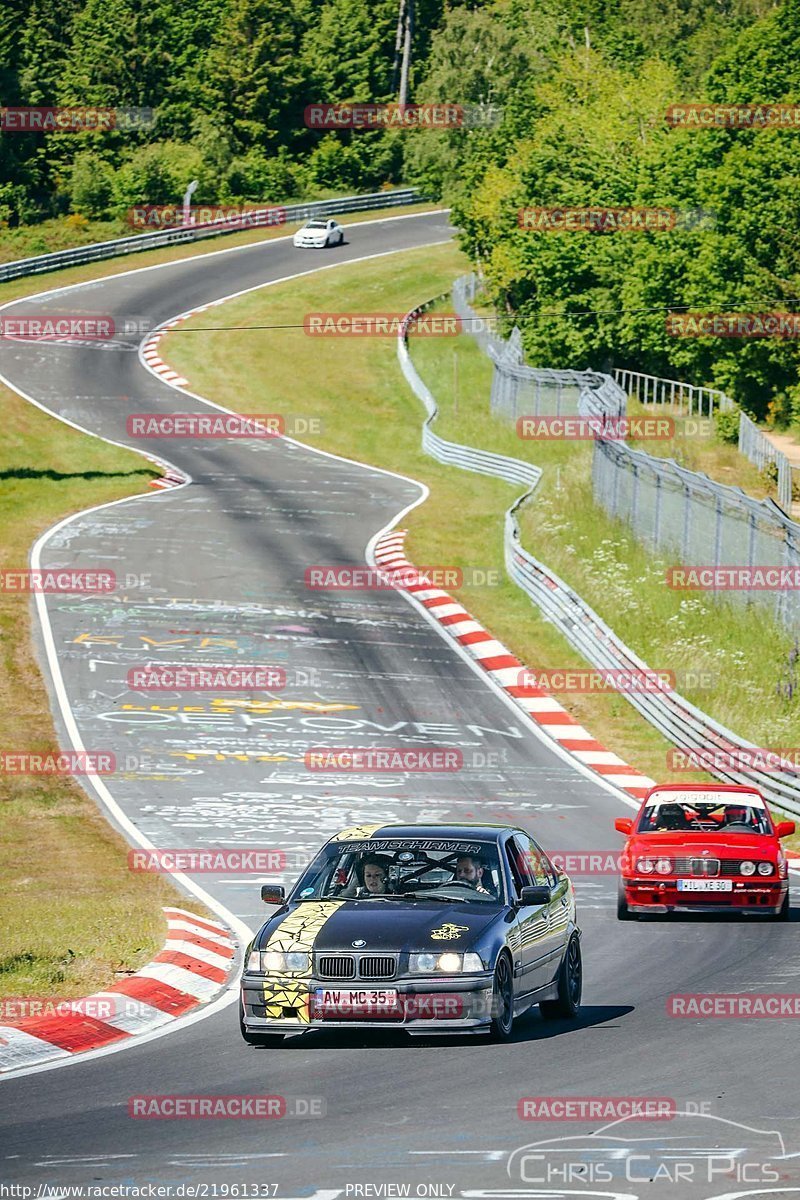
point(359, 833)
point(703, 787)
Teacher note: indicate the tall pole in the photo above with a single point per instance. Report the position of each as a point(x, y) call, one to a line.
point(398, 43)
point(406, 67)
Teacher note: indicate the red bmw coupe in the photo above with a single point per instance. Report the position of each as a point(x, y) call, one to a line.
point(703, 848)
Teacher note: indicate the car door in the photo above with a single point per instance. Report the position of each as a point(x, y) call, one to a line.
point(539, 937)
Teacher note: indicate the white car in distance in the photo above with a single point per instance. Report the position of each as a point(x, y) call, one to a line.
point(318, 233)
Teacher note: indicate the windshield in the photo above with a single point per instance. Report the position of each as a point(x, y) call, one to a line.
point(729, 815)
point(316, 225)
point(394, 868)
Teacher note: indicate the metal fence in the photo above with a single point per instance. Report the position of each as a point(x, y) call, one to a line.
point(760, 450)
point(650, 389)
point(681, 722)
point(701, 401)
point(700, 521)
point(169, 237)
point(669, 508)
point(517, 389)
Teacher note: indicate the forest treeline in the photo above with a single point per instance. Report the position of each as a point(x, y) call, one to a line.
point(581, 91)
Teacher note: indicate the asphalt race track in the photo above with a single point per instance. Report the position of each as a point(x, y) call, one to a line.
point(215, 573)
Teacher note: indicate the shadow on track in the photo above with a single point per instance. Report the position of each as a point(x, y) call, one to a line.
point(528, 1028)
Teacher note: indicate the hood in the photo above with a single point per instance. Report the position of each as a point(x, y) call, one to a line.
point(727, 845)
point(387, 926)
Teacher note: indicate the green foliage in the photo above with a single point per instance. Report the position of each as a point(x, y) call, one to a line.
point(726, 425)
point(594, 135)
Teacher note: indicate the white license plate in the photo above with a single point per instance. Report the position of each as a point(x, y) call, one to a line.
point(705, 885)
point(351, 1000)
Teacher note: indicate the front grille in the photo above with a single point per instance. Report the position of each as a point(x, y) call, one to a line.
point(336, 966)
point(347, 966)
point(723, 866)
point(376, 966)
point(703, 868)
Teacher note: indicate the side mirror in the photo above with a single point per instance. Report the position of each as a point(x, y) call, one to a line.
point(623, 824)
point(538, 894)
point(785, 828)
point(272, 893)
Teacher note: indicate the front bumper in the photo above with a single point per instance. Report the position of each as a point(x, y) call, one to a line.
point(308, 244)
point(645, 894)
point(285, 1004)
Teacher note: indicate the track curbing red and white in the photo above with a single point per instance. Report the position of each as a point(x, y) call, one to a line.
point(504, 668)
point(194, 966)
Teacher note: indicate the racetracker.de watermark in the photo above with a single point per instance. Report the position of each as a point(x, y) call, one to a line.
point(53, 580)
point(737, 758)
point(210, 1108)
point(596, 1108)
point(400, 758)
point(734, 116)
point(596, 219)
point(734, 325)
point(581, 429)
point(367, 579)
point(590, 862)
point(599, 679)
point(442, 116)
point(61, 762)
point(736, 1005)
point(160, 677)
point(28, 118)
point(732, 579)
point(105, 1007)
point(52, 327)
point(380, 324)
point(205, 425)
point(217, 861)
point(237, 216)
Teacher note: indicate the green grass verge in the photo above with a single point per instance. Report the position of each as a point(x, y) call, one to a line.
point(74, 916)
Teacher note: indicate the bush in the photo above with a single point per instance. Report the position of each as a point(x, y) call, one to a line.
point(90, 185)
point(159, 174)
point(726, 425)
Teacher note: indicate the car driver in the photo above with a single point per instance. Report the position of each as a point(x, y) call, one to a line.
point(470, 870)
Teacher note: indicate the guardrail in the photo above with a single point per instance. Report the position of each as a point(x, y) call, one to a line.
point(760, 450)
point(681, 722)
point(651, 389)
point(253, 218)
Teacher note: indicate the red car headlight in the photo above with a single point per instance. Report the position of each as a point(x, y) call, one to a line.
point(765, 868)
point(664, 866)
point(747, 867)
point(645, 865)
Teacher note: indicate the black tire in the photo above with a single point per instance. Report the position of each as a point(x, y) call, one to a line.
point(623, 912)
point(570, 985)
point(257, 1039)
point(502, 1000)
point(783, 912)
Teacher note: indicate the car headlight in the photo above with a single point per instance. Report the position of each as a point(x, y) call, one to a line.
point(267, 962)
point(449, 962)
point(645, 865)
point(765, 868)
point(664, 866)
point(747, 867)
